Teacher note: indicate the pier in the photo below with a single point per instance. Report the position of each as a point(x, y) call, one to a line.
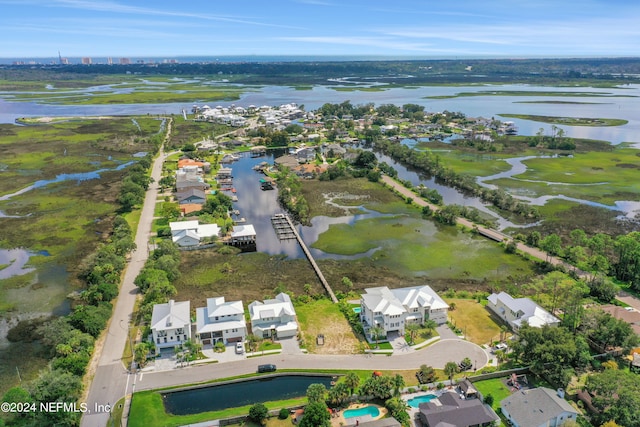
point(281, 218)
point(283, 227)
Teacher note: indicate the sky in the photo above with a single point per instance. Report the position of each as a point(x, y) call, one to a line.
point(397, 28)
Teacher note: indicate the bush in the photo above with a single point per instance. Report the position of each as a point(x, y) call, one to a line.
point(283, 414)
point(258, 412)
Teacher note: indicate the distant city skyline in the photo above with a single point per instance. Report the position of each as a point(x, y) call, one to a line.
point(138, 29)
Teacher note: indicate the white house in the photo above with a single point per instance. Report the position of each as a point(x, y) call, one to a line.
point(515, 311)
point(537, 407)
point(273, 317)
point(392, 309)
point(189, 233)
point(171, 324)
point(220, 321)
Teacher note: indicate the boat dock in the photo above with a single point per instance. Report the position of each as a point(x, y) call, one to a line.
point(283, 227)
point(280, 219)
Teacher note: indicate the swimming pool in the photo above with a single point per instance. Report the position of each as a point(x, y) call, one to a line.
point(416, 401)
point(361, 412)
point(357, 309)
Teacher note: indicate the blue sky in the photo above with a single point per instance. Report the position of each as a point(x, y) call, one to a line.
point(407, 28)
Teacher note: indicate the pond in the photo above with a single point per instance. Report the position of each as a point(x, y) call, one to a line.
point(240, 393)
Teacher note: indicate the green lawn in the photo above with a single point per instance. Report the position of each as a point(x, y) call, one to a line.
point(496, 388)
point(475, 320)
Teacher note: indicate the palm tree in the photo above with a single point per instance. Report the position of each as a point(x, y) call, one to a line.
point(412, 328)
point(352, 380)
point(375, 332)
point(398, 383)
point(431, 325)
point(450, 369)
point(252, 340)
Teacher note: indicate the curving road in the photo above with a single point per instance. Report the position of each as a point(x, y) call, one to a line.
point(435, 355)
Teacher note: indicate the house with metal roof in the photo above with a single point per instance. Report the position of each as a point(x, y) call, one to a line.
point(220, 321)
point(273, 317)
point(538, 407)
point(171, 324)
point(516, 311)
point(392, 309)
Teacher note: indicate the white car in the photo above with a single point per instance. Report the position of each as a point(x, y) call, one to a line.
point(239, 348)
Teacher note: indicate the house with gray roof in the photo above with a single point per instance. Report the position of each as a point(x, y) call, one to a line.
point(171, 324)
point(392, 309)
point(516, 311)
point(450, 410)
point(538, 407)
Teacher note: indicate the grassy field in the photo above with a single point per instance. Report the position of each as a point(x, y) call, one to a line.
point(527, 93)
point(569, 121)
point(603, 177)
point(324, 317)
point(475, 320)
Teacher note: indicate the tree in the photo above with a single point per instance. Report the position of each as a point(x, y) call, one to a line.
point(352, 380)
point(141, 353)
point(552, 244)
point(375, 333)
point(426, 374)
point(398, 383)
point(316, 393)
point(316, 415)
point(616, 395)
point(488, 399)
point(450, 369)
point(398, 410)
point(412, 328)
point(91, 319)
point(338, 394)
point(258, 412)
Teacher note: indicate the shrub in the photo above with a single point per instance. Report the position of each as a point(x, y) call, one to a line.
point(283, 414)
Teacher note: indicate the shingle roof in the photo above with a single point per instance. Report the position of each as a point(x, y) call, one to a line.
point(535, 406)
point(450, 409)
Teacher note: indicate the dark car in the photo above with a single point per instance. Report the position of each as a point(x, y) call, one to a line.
point(266, 368)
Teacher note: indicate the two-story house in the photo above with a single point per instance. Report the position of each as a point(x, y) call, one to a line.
point(392, 309)
point(515, 311)
point(220, 321)
point(171, 324)
point(274, 317)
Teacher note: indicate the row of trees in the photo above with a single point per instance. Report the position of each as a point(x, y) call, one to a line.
point(430, 163)
point(69, 340)
point(599, 254)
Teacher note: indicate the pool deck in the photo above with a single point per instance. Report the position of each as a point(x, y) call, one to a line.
point(340, 420)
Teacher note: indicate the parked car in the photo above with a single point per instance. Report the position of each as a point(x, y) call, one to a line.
point(239, 348)
point(500, 346)
point(266, 368)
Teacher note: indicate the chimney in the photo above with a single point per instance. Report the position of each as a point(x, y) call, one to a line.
point(561, 393)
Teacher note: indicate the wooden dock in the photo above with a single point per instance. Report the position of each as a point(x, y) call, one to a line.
point(283, 227)
point(310, 258)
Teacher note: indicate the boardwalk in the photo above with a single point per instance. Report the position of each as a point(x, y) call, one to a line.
point(282, 227)
point(312, 261)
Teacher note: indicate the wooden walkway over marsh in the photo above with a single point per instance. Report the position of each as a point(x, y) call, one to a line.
point(284, 228)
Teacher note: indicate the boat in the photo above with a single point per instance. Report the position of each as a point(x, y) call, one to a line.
point(233, 190)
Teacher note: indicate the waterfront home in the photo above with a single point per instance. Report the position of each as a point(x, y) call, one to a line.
point(185, 181)
point(537, 407)
point(515, 311)
point(190, 233)
point(273, 318)
point(392, 309)
point(243, 235)
point(450, 409)
point(171, 324)
point(220, 322)
point(191, 196)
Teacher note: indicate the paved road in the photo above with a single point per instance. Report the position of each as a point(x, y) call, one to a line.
point(111, 380)
point(436, 355)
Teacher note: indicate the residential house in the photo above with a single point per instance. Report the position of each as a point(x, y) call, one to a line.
point(515, 311)
point(392, 309)
point(305, 154)
point(334, 150)
point(185, 182)
point(171, 324)
point(191, 196)
point(537, 407)
point(273, 317)
point(626, 314)
point(451, 410)
point(220, 321)
point(243, 235)
point(190, 233)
